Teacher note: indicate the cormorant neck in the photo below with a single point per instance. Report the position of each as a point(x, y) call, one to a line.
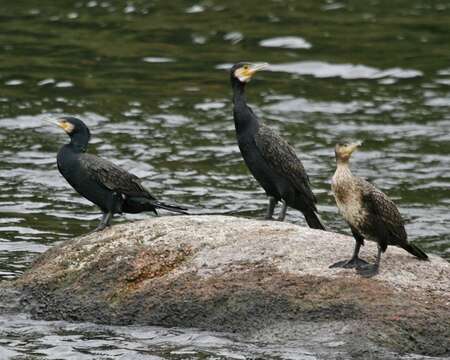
point(343, 164)
point(79, 141)
point(238, 91)
point(244, 118)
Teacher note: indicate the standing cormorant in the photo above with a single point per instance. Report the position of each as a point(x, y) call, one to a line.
point(111, 188)
point(369, 212)
point(270, 159)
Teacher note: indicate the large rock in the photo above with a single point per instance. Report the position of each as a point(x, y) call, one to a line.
point(265, 280)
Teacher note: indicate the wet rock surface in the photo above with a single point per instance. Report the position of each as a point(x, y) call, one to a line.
point(265, 280)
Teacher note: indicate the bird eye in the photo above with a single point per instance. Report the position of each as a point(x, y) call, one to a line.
point(245, 67)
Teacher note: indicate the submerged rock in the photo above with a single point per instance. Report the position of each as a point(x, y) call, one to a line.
point(268, 281)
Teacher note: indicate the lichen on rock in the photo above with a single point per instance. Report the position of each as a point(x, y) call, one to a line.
point(262, 279)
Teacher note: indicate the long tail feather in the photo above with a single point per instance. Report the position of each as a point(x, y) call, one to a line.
point(416, 251)
point(313, 220)
point(173, 208)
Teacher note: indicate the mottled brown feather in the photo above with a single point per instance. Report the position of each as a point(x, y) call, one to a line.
point(384, 219)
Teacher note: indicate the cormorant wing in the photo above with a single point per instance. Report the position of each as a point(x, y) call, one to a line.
point(383, 214)
point(111, 176)
point(282, 159)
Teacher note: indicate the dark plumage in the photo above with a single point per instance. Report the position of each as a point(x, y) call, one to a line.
point(270, 159)
point(369, 212)
point(111, 188)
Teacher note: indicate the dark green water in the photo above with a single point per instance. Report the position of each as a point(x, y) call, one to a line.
point(148, 78)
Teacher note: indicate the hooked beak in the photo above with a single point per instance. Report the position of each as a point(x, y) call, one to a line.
point(52, 121)
point(354, 146)
point(245, 73)
point(257, 67)
point(66, 126)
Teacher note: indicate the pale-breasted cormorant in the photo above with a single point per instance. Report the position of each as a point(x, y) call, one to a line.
point(270, 159)
point(111, 188)
point(369, 212)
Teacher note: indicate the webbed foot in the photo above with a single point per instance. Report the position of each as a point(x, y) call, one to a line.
point(104, 223)
point(99, 228)
point(368, 270)
point(349, 264)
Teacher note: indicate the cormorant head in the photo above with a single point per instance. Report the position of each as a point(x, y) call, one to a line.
point(343, 151)
point(244, 71)
point(75, 128)
point(72, 125)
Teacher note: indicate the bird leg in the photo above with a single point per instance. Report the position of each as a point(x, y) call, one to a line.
point(283, 210)
point(354, 262)
point(370, 270)
point(107, 216)
point(106, 219)
point(270, 208)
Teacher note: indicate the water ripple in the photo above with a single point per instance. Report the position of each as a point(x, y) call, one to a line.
point(288, 42)
point(56, 340)
point(308, 106)
point(321, 69)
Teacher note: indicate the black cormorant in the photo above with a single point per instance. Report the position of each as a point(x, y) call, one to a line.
point(270, 159)
point(369, 212)
point(111, 188)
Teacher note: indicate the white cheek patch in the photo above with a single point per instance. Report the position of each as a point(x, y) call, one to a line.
point(69, 128)
point(244, 78)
